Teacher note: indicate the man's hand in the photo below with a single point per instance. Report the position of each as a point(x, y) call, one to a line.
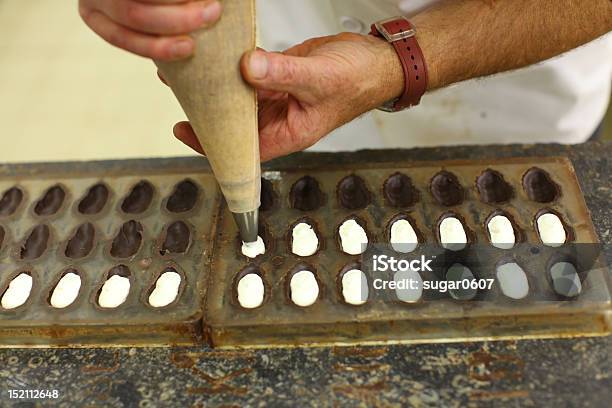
point(156, 29)
point(314, 88)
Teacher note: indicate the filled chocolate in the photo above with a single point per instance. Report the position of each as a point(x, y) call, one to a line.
point(81, 243)
point(539, 186)
point(95, 200)
point(306, 194)
point(493, 188)
point(10, 201)
point(51, 201)
point(36, 243)
point(446, 189)
point(128, 240)
point(183, 198)
point(177, 239)
point(353, 194)
point(400, 192)
point(139, 198)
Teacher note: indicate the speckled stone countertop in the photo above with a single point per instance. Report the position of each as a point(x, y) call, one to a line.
point(564, 372)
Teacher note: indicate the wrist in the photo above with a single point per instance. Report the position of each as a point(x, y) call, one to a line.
point(389, 81)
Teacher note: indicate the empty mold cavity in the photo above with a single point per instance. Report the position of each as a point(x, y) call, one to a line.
point(95, 200)
point(177, 239)
point(539, 186)
point(2, 234)
point(51, 201)
point(166, 289)
point(66, 291)
point(353, 237)
point(463, 277)
point(493, 188)
point(36, 243)
point(183, 198)
point(139, 198)
point(400, 192)
point(17, 292)
point(446, 189)
point(306, 195)
point(353, 194)
point(512, 280)
point(452, 233)
point(501, 232)
point(128, 240)
point(11, 199)
point(304, 239)
point(409, 286)
point(304, 288)
point(254, 249)
point(116, 289)
point(403, 236)
point(551, 229)
point(250, 289)
point(355, 289)
point(565, 279)
point(82, 242)
point(268, 196)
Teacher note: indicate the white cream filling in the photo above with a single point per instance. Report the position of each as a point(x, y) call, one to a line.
point(66, 291)
point(501, 232)
point(17, 292)
point(411, 289)
point(355, 287)
point(452, 234)
point(254, 249)
point(566, 281)
point(304, 288)
point(353, 237)
point(513, 280)
point(114, 292)
point(304, 240)
point(551, 229)
point(403, 237)
point(166, 289)
point(251, 291)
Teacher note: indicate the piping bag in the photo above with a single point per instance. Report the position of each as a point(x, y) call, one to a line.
point(222, 108)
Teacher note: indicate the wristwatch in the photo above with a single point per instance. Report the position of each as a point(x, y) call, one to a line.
point(400, 32)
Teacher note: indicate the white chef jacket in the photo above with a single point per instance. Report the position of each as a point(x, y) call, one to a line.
point(560, 100)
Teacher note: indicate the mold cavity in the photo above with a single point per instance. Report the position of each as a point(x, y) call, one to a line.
point(446, 189)
point(400, 192)
point(353, 237)
point(512, 280)
point(166, 289)
point(403, 236)
point(501, 232)
point(539, 186)
point(493, 188)
point(51, 202)
point(355, 287)
point(304, 240)
point(254, 249)
point(452, 234)
point(10, 201)
point(66, 290)
point(18, 291)
point(304, 288)
point(139, 198)
point(2, 234)
point(408, 286)
point(128, 240)
point(251, 291)
point(353, 193)
point(306, 195)
point(268, 195)
point(183, 198)
point(462, 278)
point(36, 243)
point(81, 243)
point(95, 200)
point(177, 239)
point(551, 230)
point(565, 279)
point(116, 289)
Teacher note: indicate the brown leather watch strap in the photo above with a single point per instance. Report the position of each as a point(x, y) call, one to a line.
point(401, 33)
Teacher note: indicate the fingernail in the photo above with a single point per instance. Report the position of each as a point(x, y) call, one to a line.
point(258, 65)
point(181, 49)
point(211, 12)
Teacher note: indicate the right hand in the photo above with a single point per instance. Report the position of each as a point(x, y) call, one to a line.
point(157, 29)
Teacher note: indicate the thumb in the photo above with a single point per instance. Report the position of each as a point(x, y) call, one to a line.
point(273, 71)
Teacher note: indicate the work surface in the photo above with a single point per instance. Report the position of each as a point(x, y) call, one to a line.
point(564, 372)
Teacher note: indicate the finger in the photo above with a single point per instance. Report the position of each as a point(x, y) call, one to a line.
point(168, 19)
point(184, 132)
point(159, 48)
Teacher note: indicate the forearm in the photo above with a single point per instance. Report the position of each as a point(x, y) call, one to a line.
point(464, 39)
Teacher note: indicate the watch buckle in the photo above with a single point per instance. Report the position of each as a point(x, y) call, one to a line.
point(380, 26)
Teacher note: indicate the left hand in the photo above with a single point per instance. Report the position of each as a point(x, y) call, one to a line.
point(313, 88)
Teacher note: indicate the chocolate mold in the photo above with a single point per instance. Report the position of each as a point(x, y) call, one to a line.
point(269, 197)
point(306, 195)
point(400, 192)
point(51, 201)
point(139, 199)
point(539, 186)
point(128, 240)
point(82, 242)
point(177, 239)
point(11, 199)
point(493, 188)
point(352, 193)
point(184, 197)
point(95, 200)
point(36, 243)
point(446, 189)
